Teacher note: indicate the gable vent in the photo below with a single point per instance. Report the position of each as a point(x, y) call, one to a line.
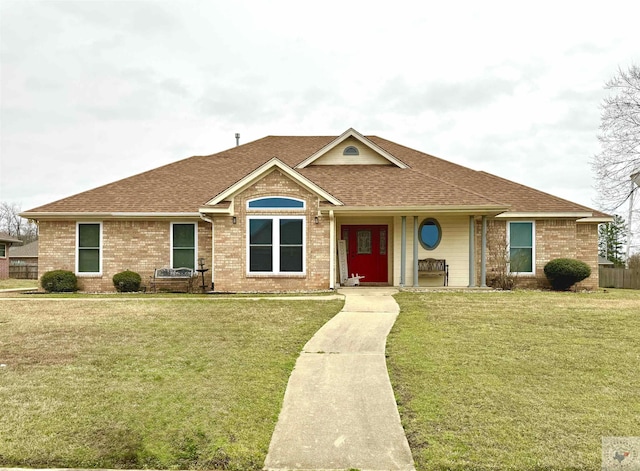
point(351, 150)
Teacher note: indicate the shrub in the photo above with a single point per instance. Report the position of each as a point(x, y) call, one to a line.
point(127, 281)
point(563, 273)
point(59, 281)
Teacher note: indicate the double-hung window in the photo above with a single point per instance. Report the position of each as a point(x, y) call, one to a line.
point(183, 245)
point(275, 243)
point(3, 250)
point(89, 248)
point(521, 236)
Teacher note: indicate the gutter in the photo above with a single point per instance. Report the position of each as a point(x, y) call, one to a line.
point(108, 215)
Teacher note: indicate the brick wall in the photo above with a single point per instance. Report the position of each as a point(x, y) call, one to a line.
point(555, 238)
point(140, 246)
point(230, 247)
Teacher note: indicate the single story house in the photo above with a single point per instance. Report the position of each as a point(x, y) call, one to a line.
point(6, 241)
point(288, 213)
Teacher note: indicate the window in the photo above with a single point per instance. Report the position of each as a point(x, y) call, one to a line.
point(183, 245)
point(89, 248)
point(275, 202)
point(351, 150)
point(276, 244)
point(3, 250)
point(429, 234)
point(521, 247)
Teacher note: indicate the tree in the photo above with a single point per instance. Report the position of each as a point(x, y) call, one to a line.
point(13, 224)
point(620, 139)
point(611, 240)
point(634, 261)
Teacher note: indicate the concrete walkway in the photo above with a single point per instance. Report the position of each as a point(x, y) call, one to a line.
point(339, 410)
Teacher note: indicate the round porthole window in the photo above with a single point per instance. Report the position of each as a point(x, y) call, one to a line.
point(429, 234)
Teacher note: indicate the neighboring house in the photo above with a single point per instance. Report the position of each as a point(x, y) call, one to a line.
point(269, 215)
point(6, 241)
point(23, 261)
point(604, 262)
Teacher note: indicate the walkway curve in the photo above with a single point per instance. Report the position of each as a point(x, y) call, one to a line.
point(339, 411)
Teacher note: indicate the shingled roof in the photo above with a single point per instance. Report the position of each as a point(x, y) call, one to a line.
point(186, 185)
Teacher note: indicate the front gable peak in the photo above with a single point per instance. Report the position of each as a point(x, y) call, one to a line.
point(266, 169)
point(351, 148)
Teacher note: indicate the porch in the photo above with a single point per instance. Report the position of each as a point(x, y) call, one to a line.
point(386, 248)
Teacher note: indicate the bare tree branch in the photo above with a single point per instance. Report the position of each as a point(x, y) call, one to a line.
point(619, 138)
point(13, 224)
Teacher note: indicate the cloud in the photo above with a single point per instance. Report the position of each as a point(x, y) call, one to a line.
point(139, 17)
point(443, 97)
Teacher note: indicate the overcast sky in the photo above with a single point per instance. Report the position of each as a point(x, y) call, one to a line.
point(95, 91)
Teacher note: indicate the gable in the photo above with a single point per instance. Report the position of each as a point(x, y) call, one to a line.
point(261, 174)
point(351, 152)
point(351, 140)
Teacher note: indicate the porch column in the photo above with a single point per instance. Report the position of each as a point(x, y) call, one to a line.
point(213, 255)
point(483, 254)
point(403, 251)
point(332, 250)
point(415, 250)
point(472, 250)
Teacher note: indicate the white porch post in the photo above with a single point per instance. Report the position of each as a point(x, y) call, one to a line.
point(415, 250)
point(332, 250)
point(213, 255)
point(472, 255)
point(483, 254)
point(403, 251)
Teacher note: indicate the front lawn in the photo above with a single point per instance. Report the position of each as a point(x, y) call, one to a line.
point(13, 283)
point(516, 380)
point(146, 383)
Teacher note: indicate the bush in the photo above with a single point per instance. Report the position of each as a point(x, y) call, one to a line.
point(563, 273)
point(127, 281)
point(59, 281)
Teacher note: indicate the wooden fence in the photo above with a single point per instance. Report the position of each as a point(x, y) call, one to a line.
point(619, 278)
point(23, 272)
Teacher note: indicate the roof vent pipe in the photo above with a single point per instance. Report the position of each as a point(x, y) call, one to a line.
point(237, 139)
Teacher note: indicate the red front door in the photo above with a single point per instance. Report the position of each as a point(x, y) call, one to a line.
point(367, 252)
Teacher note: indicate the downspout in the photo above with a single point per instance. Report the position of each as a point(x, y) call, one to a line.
point(403, 251)
point(210, 221)
point(332, 250)
point(415, 251)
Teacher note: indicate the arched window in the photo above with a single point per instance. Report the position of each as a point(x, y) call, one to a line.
point(351, 150)
point(275, 202)
point(429, 234)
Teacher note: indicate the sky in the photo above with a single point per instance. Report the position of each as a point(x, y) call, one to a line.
point(95, 91)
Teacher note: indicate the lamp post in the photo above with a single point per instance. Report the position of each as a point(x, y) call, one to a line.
point(202, 270)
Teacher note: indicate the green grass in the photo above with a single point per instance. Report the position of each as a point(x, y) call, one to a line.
point(147, 383)
point(516, 380)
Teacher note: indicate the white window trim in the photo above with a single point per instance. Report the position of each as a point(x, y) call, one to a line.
point(304, 204)
point(533, 248)
point(195, 241)
point(6, 250)
point(100, 248)
point(276, 246)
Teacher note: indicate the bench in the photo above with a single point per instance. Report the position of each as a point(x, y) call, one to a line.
point(171, 277)
point(431, 267)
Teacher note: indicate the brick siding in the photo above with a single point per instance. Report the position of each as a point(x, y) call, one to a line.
point(555, 238)
point(230, 245)
point(140, 246)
